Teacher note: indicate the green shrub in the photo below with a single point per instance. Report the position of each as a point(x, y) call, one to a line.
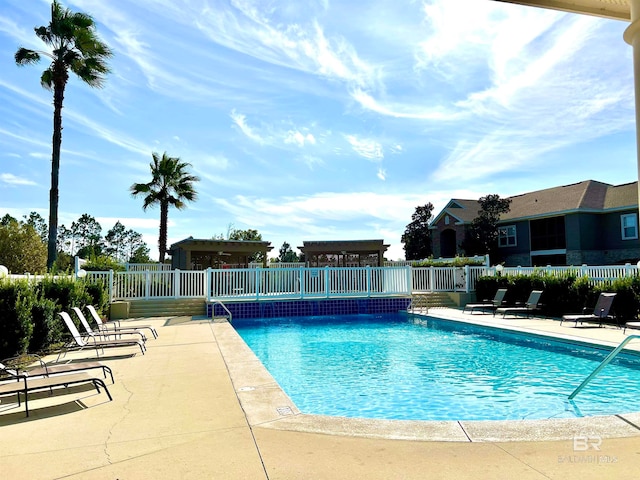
point(48, 328)
point(28, 312)
point(627, 302)
point(102, 263)
point(66, 292)
point(455, 262)
point(565, 293)
point(98, 294)
point(16, 327)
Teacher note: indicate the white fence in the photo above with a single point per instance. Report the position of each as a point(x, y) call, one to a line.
point(143, 267)
point(328, 282)
point(260, 283)
point(435, 261)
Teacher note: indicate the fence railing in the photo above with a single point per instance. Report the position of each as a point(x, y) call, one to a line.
point(260, 283)
point(143, 267)
point(326, 282)
point(476, 260)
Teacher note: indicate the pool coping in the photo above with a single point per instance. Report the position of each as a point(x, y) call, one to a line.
point(266, 405)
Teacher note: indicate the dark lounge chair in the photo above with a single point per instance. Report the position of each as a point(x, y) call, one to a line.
point(42, 369)
point(490, 305)
point(530, 306)
point(599, 315)
point(22, 384)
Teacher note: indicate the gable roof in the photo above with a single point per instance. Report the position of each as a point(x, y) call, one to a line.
point(462, 210)
point(585, 196)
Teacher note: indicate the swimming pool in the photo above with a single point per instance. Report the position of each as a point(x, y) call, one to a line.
point(421, 368)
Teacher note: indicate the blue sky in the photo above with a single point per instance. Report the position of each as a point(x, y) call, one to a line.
point(317, 120)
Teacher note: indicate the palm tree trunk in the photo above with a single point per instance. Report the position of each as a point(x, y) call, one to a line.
point(162, 240)
point(58, 97)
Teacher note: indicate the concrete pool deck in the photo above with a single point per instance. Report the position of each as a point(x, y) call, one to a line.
point(199, 405)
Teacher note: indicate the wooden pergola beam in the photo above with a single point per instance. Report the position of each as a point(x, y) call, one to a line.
point(615, 9)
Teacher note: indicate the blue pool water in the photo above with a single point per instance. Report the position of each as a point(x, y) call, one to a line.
point(399, 366)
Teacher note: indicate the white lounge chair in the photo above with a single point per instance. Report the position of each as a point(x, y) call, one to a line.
point(117, 326)
point(103, 333)
point(80, 342)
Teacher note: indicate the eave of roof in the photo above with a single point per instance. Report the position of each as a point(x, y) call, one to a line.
point(615, 9)
point(588, 196)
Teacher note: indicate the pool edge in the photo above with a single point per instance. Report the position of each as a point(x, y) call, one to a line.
point(266, 405)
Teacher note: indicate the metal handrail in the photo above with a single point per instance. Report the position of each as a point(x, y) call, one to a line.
point(603, 364)
point(224, 307)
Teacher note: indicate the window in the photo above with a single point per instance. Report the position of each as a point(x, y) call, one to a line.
point(547, 234)
point(507, 236)
point(629, 224)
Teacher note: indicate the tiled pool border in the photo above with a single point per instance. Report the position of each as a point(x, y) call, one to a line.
point(264, 403)
point(309, 307)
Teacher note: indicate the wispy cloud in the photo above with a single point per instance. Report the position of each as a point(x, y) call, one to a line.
point(240, 121)
point(299, 138)
point(12, 179)
point(366, 147)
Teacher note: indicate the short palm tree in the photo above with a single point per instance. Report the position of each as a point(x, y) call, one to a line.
point(171, 185)
point(74, 46)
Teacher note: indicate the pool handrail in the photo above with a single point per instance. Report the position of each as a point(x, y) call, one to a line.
point(223, 306)
point(603, 364)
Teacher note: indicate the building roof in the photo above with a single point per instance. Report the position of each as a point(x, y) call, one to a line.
point(340, 246)
point(462, 210)
point(586, 196)
point(222, 245)
point(616, 9)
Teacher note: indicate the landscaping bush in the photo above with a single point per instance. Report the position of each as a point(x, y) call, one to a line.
point(98, 294)
point(16, 328)
point(627, 302)
point(66, 292)
point(565, 294)
point(48, 328)
point(28, 312)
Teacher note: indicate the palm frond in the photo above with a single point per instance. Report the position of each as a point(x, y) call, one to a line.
point(24, 56)
point(46, 79)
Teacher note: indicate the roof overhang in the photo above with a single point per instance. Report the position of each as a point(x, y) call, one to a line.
point(615, 9)
point(333, 247)
point(227, 246)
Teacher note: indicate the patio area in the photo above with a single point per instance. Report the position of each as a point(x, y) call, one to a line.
point(200, 405)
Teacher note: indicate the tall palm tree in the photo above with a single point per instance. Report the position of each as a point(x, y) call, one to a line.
point(74, 45)
point(171, 185)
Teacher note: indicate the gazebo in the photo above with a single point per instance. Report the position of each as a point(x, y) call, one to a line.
point(200, 254)
point(344, 253)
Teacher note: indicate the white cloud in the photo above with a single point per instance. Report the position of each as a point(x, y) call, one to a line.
point(299, 138)
point(12, 179)
point(241, 122)
point(366, 147)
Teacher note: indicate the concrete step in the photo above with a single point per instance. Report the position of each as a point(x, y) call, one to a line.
point(166, 307)
point(431, 300)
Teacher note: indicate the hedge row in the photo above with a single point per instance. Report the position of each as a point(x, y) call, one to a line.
point(565, 294)
point(28, 312)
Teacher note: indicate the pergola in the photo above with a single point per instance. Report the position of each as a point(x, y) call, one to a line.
point(344, 253)
point(628, 10)
point(200, 254)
